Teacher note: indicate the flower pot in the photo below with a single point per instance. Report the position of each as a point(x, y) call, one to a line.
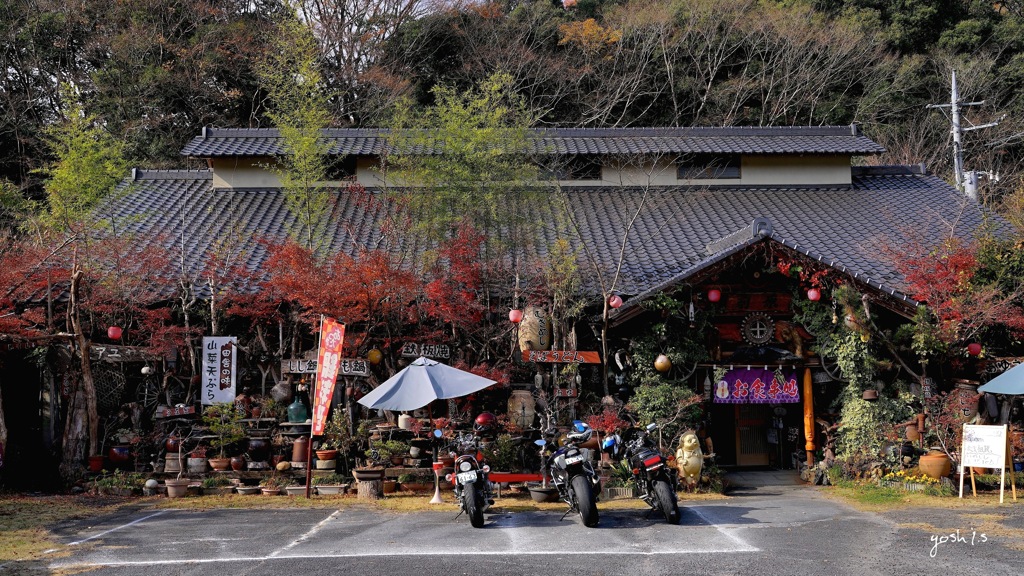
point(176, 487)
point(326, 454)
point(331, 489)
point(220, 464)
point(295, 490)
point(247, 490)
point(197, 465)
point(120, 456)
point(326, 464)
point(543, 494)
point(95, 463)
point(935, 464)
point(368, 474)
point(397, 460)
point(270, 491)
point(390, 486)
point(238, 463)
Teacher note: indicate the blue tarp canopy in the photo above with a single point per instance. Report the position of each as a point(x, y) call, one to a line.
point(1009, 382)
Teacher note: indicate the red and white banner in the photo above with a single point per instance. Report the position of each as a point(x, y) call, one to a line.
point(332, 335)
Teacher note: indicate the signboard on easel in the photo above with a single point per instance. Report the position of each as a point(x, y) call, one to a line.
point(986, 447)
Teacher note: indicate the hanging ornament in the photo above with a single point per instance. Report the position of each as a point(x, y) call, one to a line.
point(615, 301)
point(114, 333)
point(974, 349)
point(516, 316)
point(814, 294)
point(662, 363)
point(714, 295)
point(374, 356)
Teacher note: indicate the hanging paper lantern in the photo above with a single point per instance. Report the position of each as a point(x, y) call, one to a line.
point(114, 333)
point(814, 294)
point(714, 295)
point(374, 356)
point(974, 348)
point(615, 301)
point(662, 363)
point(516, 316)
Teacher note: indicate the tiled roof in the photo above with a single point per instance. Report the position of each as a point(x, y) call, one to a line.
point(844, 226)
point(216, 142)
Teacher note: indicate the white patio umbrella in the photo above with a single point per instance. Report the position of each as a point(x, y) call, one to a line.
point(1009, 382)
point(422, 382)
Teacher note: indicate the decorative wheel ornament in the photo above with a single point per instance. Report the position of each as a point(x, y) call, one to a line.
point(831, 367)
point(758, 328)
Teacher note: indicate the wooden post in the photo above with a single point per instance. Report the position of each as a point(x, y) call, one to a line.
point(809, 417)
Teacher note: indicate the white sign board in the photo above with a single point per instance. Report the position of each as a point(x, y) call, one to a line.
point(220, 357)
point(983, 446)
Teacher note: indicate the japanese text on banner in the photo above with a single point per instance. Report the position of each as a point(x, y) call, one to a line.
point(332, 337)
point(220, 357)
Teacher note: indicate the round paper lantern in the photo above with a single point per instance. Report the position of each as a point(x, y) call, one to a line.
point(814, 294)
point(515, 316)
point(114, 333)
point(374, 356)
point(974, 348)
point(615, 301)
point(662, 363)
point(714, 295)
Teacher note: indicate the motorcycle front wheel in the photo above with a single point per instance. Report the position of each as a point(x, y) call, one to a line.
point(471, 504)
point(585, 500)
point(667, 501)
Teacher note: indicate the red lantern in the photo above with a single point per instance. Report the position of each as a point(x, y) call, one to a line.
point(714, 295)
point(516, 316)
point(814, 294)
point(974, 348)
point(615, 301)
point(114, 333)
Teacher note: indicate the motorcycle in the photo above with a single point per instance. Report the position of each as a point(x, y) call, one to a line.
point(655, 479)
point(573, 474)
point(472, 486)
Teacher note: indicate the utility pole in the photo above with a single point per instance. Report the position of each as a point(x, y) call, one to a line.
point(958, 132)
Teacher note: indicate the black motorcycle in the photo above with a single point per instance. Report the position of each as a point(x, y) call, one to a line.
point(655, 479)
point(573, 474)
point(472, 487)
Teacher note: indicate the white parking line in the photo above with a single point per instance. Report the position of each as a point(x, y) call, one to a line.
point(743, 546)
point(305, 536)
point(105, 532)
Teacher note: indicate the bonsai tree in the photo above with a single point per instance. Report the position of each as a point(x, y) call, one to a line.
point(336, 434)
point(501, 455)
point(223, 422)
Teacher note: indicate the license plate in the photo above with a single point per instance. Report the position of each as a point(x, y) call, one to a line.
point(574, 459)
point(466, 477)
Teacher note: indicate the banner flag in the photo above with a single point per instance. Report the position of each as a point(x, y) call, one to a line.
point(332, 336)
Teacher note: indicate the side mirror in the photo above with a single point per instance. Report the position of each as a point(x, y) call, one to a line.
point(652, 427)
point(542, 442)
point(437, 433)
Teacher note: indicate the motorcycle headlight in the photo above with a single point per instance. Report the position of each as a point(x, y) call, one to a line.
point(465, 466)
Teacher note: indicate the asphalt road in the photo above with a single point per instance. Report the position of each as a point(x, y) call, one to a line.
point(778, 530)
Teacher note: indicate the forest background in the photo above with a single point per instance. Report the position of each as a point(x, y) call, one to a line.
point(153, 72)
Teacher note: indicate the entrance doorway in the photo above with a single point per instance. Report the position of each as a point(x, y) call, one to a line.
point(752, 422)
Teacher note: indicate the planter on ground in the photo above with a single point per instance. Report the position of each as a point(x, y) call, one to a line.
point(176, 487)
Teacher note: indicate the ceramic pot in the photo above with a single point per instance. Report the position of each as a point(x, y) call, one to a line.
point(259, 448)
point(197, 465)
point(326, 454)
point(176, 487)
point(120, 456)
point(326, 464)
point(300, 449)
point(390, 486)
point(238, 463)
point(935, 464)
point(522, 408)
point(95, 463)
point(220, 464)
point(368, 474)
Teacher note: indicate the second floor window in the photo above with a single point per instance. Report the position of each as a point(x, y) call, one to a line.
point(708, 167)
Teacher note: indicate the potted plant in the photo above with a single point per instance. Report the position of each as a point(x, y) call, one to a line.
point(295, 488)
point(197, 460)
point(273, 484)
point(620, 483)
point(501, 455)
point(331, 483)
point(217, 485)
point(223, 421)
point(336, 437)
point(415, 483)
point(119, 483)
point(393, 450)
